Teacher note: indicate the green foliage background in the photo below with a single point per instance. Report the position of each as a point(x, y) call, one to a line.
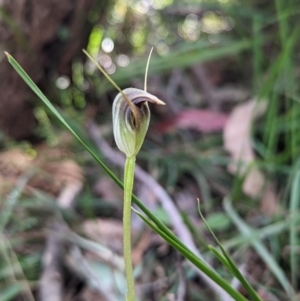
point(251, 44)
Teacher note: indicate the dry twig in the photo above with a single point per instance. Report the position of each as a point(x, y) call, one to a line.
point(181, 291)
point(50, 288)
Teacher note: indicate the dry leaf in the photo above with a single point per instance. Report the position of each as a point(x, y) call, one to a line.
point(204, 121)
point(237, 141)
point(55, 175)
point(109, 232)
point(54, 169)
point(106, 188)
point(13, 163)
point(269, 200)
point(237, 133)
point(140, 248)
point(106, 231)
point(88, 294)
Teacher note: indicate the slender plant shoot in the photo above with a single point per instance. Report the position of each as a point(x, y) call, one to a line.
point(131, 117)
point(147, 68)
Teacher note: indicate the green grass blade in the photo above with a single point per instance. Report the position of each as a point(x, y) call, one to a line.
point(196, 261)
point(9, 293)
point(281, 7)
point(276, 70)
point(221, 258)
point(257, 53)
point(294, 241)
point(262, 251)
point(11, 259)
point(270, 230)
point(12, 199)
point(232, 267)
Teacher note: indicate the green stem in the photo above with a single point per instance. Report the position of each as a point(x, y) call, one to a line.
point(128, 185)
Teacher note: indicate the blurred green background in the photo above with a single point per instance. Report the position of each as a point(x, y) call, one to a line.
point(228, 71)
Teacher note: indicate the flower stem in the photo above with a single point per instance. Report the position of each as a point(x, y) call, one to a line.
point(128, 185)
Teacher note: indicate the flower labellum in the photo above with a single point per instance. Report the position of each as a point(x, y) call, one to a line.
point(131, 117)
